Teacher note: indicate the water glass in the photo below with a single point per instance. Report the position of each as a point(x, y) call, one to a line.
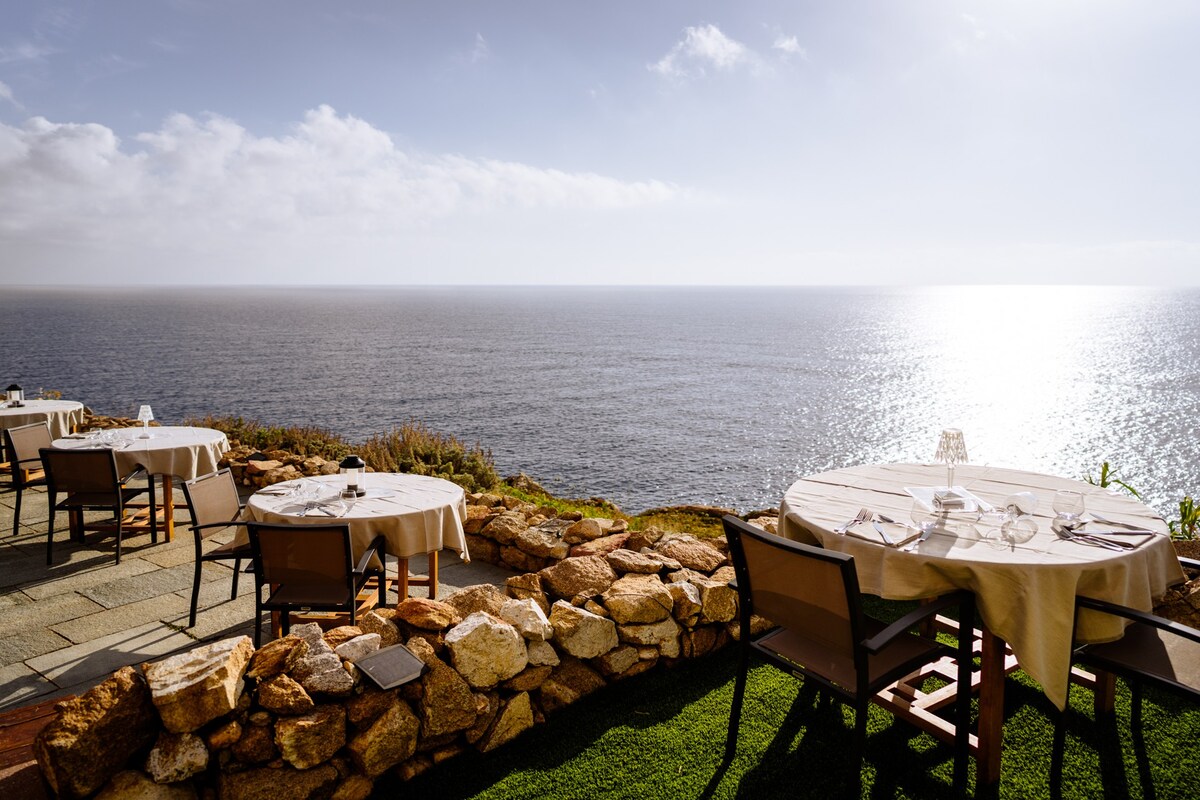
point(923, 518)
point(1068, 505)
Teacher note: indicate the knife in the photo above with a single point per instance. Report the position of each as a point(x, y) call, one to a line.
point(879, 529)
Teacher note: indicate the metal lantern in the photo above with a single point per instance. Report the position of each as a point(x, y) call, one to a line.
point(355, 470)
point(13, 394)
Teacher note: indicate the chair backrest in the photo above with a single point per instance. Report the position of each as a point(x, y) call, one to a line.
point(88, 470)
point(301, 555)
point(811, 591)
point(24, 442)
point(212, 498)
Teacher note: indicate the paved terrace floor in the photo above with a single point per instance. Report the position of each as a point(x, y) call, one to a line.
point(68, 626)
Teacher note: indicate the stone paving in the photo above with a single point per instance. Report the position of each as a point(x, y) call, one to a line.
point(66, 627)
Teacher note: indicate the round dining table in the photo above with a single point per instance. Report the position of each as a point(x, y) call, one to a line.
point(416, 514)
point(1025, 584)
point(166, 451)
point(63, 416)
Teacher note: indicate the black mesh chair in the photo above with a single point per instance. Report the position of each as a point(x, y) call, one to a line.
point(89, 479)
point(310, 568)
point(823, 636)
point(22, 444)
point(215, 508)
point(1152, 651)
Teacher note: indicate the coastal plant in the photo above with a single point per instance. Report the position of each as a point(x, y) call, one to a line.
point(307, 440)
point(1108, 477)
point(1188, 524)
point(414, 448)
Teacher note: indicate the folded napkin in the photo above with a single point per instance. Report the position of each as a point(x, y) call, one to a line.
point(899, 534)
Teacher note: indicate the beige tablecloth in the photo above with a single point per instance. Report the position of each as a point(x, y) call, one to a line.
point(180, 451)
point(1025, 591)
point(62, 415)
point(416, 513)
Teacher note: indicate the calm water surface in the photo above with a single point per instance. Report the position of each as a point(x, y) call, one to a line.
point(656, 396)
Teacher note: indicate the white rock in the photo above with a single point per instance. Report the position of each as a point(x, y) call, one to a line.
point(486, 650)
point(528, 618)
point(177, 757)
point(358, 647)
point(542, 654)
point(580, 632)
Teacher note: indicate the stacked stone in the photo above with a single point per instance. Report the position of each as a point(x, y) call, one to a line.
point(273, 466)
point(298, 719)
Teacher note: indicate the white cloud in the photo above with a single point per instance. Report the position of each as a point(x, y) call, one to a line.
point(702, 46)
point(481, 50)
point(789, 45)
point(7, 94)
point(203, 182)
point(24, 51)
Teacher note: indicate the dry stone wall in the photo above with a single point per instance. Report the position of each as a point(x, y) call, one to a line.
point(596, 604)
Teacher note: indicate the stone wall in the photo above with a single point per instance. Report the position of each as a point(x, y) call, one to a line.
point(297, 719)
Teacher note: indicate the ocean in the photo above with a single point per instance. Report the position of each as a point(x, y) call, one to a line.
point(655, 396)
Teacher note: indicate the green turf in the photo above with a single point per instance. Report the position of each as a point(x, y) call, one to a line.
point(662, 735)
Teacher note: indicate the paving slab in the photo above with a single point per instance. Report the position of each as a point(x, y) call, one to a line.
point(46, 612)
point(19, 685)
point(99, 658)
point(65, 578)
point(123, 617)
point(140, 587)
point(17, 646)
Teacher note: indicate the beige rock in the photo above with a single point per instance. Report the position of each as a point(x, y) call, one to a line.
point(283, 695)
point(623, 561)
point(655, 634)
point(176, 757)
point(542, 543)
point(515, 717)
point(483, 549)
point(431, 615)
point(528, 679)
point(374, 622)
point(542, 654)
point(486, 650)
point(685, 598)
point(585, 530)
point(447, 703)
point(358, 647)
point(643, 538)
point(702, 640)
point(338, 636)
point(638, 599)
point(223, 736)
point(418, 764)
point(570, 681)
point(522, 587)
point(323, 674)
point(486, 709)
point(590, 576)
point(482, 597)
point(261, 467)
point(637, 669)
point(391, 739)
point(362, 709)
point(600, 547)
point(133, 785)
point(591, 605)
point(265, 783)
point(582, 633)
point(617, 661)
point(276, 656)
point(354, 787)
point(194, 688)
point(528, 618)
point(94, 735)
point(256, 746)
point(312, 738)
point(506, 527)
point(477, 519)
point(719, 603)
point(691, 553)
point(516, 558)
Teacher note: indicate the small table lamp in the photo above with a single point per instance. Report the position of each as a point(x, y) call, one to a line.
point(144, 416)
point(354, 468)
point(951, 450)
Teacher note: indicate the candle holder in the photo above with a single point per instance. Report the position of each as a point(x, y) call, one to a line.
point(355, 470)
point(951, 450)
point(14, 396)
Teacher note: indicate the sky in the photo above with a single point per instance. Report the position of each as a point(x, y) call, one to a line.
point(681, 142)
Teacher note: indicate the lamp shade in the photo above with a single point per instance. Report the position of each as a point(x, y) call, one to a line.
point(951, 448)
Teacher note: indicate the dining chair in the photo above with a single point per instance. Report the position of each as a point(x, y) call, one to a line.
point(310, 568)
point(215, 508)
point(22, 445)
point(90, 480)
point(824, 637)
point(1153, 651)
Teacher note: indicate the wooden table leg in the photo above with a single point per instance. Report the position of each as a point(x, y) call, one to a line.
point(1105, 697)
point(168, 506)
point(991, 709)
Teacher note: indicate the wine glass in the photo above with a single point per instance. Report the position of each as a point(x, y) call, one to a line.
point(1068, 505)
point(923, 518)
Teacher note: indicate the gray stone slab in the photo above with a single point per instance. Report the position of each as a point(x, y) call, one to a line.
point(13, 598)
point(218, 617)
point(19, 686)
point(74, 577)
point(95, 660)
point(130, 615)
point(26, 644)
point(46, 612)
point(140, 587)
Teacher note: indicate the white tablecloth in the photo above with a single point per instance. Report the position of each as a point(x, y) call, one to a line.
point(416, 513)
point(183, 452)
point(1025, 592)
point(62, 415)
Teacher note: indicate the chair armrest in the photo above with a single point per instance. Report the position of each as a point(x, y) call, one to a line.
point(1145, 618)
point(901, 626)
point(232, 523)
point(378, 547)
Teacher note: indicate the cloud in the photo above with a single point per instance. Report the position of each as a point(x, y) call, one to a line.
point(24, 51)
point(480, 51)
point(195, 182)
point(789, 46)
point(701, 47)
point(6, 94)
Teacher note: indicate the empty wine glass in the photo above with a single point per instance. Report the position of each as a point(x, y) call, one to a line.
point(923, 518)
point(1068, 505)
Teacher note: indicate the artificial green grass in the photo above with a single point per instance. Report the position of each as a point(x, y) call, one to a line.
point(662, 735)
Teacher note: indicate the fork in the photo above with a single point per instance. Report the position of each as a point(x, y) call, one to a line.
point(862, 515)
